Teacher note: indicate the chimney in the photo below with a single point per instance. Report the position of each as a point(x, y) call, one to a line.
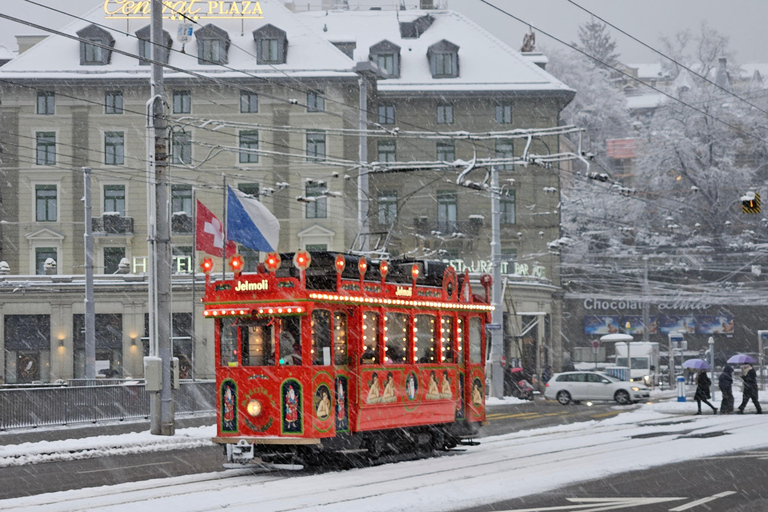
point(27, 42)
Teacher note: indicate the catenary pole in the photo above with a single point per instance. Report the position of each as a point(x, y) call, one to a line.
point(497, 333)
point(161, 405)
point(90, 305)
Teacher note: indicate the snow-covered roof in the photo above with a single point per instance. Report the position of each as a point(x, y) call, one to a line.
point(58, 57)
point(748, 70)
point(5, 53)
point(485, 62)
point(644, 101)
point(652, 70)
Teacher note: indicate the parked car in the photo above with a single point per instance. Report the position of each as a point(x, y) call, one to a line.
point(576, 386)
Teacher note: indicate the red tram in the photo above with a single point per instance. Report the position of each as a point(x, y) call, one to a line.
point(336, 352)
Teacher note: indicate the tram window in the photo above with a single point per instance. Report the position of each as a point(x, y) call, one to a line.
point(425, 339)
point(395, 337)
point(446, 338)
point(258, 344)
point(340, 338)
point(321, 337)
point(370, 338)
point(460, 336)
point(228, 342)
point(475, 340)
point(290, 340)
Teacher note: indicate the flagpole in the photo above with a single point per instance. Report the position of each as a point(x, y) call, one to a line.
point(224, 231)
point(194, 271)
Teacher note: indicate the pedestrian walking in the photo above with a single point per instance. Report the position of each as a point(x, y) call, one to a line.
point(702, 391)
point(725, 383)
point(749, 376)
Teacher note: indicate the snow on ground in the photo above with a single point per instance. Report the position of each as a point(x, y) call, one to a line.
point(507, 400)
point(535, 460)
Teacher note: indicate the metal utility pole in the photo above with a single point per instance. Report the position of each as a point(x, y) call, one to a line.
point(646, 306)
point(90, 305)
point(362, 176)
point(161, 404)
point(497, 333)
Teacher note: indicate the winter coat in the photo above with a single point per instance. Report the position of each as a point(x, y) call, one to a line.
point(725, 381)
point(750, 382)
point(702, 387)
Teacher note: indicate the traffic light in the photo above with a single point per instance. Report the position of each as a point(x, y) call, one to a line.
point(750, 202)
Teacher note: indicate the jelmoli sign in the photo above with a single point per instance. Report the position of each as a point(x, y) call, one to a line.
point(181, 9)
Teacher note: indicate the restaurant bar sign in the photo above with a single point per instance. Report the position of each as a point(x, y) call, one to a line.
point(184, 9)
point(507, 267)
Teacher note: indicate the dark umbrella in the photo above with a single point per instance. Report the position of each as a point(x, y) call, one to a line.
point(741, 359)
point(696, 364)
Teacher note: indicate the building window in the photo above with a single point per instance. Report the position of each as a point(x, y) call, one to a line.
point(114, 199)
point(145, 52)
point(446, 210)
point(181, 199)
point(315, 101)
point(446, 151)
point(316, 145)
point(386, 114)
point(182, 148)
point(508, 254)
point(445, 64)
point(317, 209)
point(114, 148)
point(386, 151)
point(145, 46)
point(504, 114)
point(505, 149)
point(249, 141)
point(113, 102)
point(42, 254)
point(444, 59)
point(112, 257)
point(46, 148)
point(270, 51)
point(386, 61)
point(445, 114)
point(316, 247)
point(182, 102)
point(249, 102)
point(93, 55)
point(212, 51)
point(387, 208)
point(252, 189)
point(45, 203)
point(507, 206)
point(46, 102)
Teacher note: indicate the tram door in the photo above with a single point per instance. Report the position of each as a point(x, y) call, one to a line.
point(329, 380)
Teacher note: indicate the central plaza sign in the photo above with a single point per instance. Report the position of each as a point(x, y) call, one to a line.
point(184, 9)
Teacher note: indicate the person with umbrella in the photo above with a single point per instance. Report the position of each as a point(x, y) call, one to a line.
point(725, 381)
point(749, 376)
point(702, 391)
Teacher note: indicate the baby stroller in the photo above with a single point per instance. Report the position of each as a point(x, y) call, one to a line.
point(516, 385)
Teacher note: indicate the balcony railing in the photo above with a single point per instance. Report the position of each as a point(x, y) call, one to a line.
point(112, 225)
point(470, 227)
point(182, 224)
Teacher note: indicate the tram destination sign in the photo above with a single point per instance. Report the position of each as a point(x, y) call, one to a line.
point(192, 10)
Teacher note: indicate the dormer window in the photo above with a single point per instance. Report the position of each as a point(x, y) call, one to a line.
point(386, 55)
point(95, 46)
point(444, 59)
point(271, 45)
point(145, 46)
point(212, 45)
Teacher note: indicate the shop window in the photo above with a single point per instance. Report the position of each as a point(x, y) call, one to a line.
point(370, 338)
point(425, 339)
point(395, 338)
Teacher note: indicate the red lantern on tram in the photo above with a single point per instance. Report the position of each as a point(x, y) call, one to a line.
point(301, 260)
point(207, 265)
point(340, 263)
point(383, 270)
point(237, 263)
point(272, 262)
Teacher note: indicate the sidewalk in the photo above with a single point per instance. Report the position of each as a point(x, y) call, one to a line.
point(83, 430)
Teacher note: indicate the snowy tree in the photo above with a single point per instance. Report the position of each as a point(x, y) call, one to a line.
point(700, 52)
point(596, 41)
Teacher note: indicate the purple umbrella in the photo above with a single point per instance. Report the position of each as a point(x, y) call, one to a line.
point(696, 364)
point(741, 359)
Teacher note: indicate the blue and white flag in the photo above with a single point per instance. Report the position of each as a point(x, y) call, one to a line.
point(250, 223)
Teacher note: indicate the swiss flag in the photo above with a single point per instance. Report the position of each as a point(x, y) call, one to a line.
point(210, 233)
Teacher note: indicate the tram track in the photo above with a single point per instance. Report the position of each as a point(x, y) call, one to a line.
point(494, 459)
